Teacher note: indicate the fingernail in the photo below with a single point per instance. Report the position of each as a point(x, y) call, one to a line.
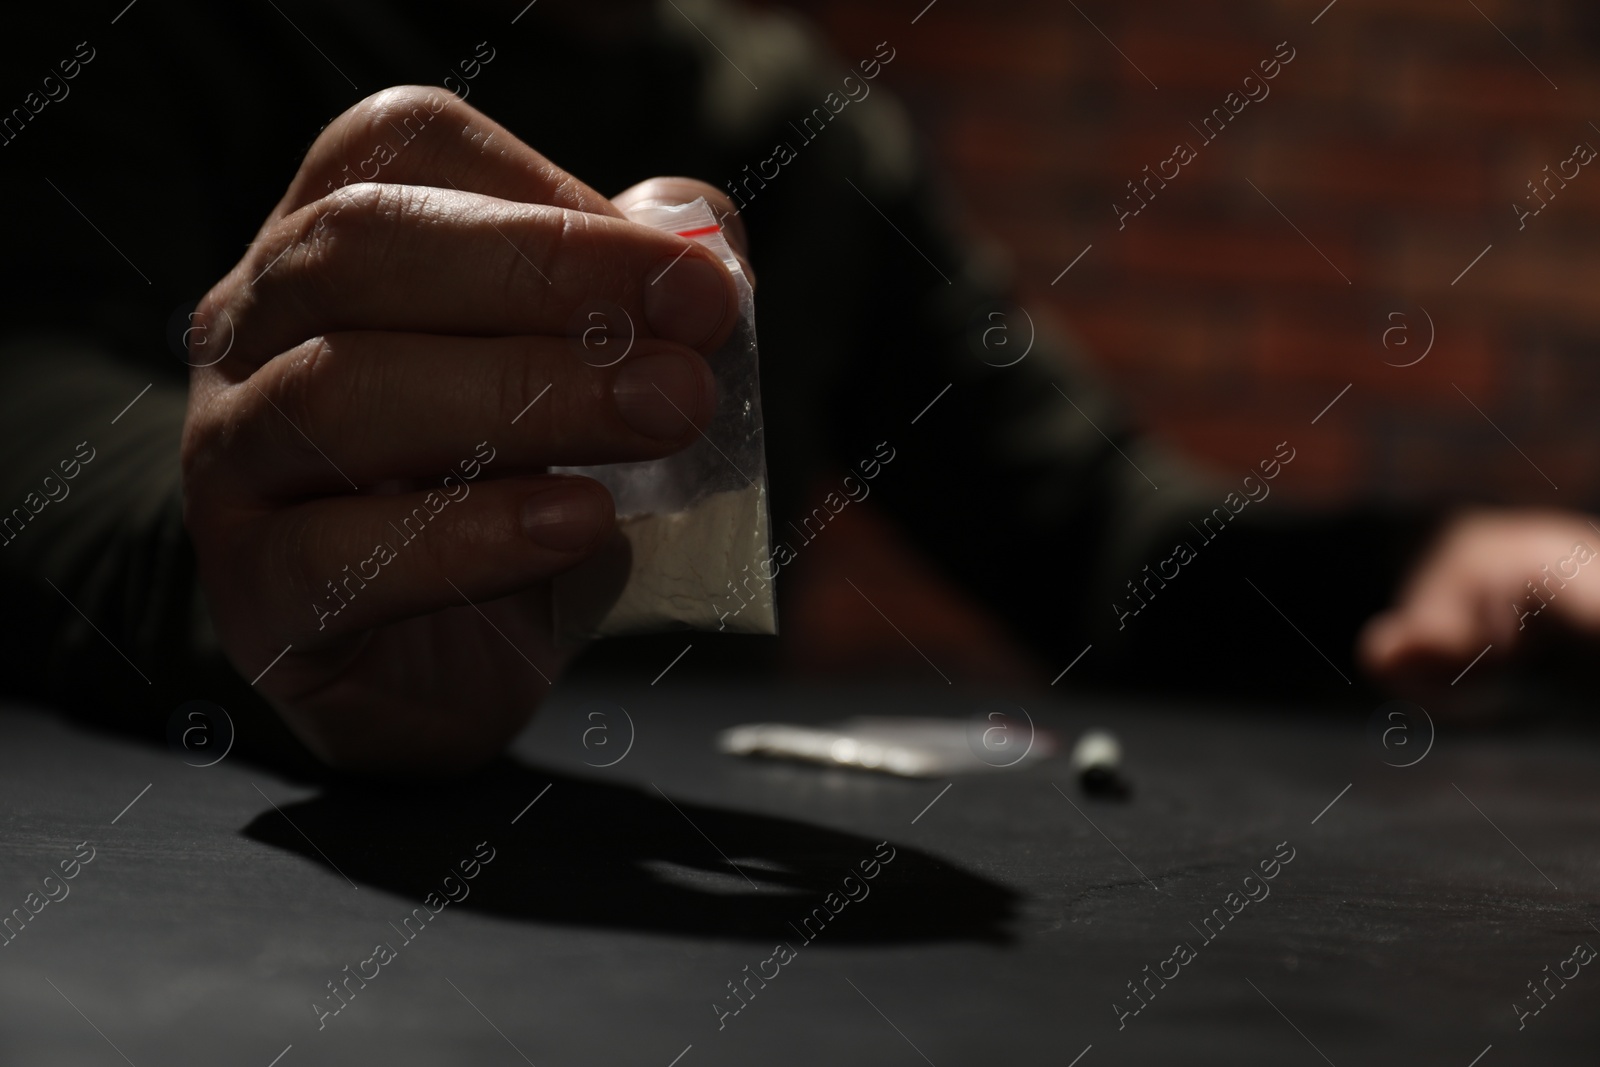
point(685, 300)
point(661, 395)
point(565, 518)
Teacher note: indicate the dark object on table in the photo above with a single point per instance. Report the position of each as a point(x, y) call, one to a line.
point(1097, 761)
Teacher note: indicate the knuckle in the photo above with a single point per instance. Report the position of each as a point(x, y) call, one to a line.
point(399, 101)
point(200, 433)
point(336, 223)
point(207, 313)
point(295, 556)
point(209, 447)
point(554, 233)
point(210, 332)
point(308, 382)
point(433, 546)
point(265, 423)
point(298, 398)
point(410, 111)
point(260, 439)
point(200, 453)
point(330, 241)
point(286, 264)
point(439, 552)
point(524, 382)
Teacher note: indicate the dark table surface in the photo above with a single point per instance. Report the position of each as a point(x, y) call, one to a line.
point(616, 910)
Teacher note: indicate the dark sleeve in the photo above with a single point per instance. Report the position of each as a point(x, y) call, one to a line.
point(106, 618)
point(117, 220)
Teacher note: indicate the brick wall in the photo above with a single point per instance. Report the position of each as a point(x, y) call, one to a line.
point(1397, 140)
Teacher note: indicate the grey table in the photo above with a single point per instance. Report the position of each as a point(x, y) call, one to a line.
point(615, 911)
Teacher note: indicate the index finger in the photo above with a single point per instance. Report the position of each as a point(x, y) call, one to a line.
point(399, 258)
point(425, 135)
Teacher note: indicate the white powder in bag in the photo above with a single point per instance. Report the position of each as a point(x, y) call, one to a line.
point(700, 568)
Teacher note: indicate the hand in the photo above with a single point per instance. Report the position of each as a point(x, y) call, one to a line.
point(1470, 591)
point(383, 335)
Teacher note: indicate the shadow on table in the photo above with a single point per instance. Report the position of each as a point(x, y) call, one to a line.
point(628, 858)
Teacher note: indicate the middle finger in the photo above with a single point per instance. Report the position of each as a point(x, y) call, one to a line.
point(367, 407)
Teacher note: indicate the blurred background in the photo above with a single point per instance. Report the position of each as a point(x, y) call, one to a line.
point(1397, 141)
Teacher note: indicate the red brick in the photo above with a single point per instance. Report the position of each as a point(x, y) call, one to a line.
point(1397, 141)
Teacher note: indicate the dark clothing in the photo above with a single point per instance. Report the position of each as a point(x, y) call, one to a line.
point(138, 183)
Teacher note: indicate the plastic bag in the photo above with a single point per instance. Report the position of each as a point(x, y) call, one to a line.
point(694, 550)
